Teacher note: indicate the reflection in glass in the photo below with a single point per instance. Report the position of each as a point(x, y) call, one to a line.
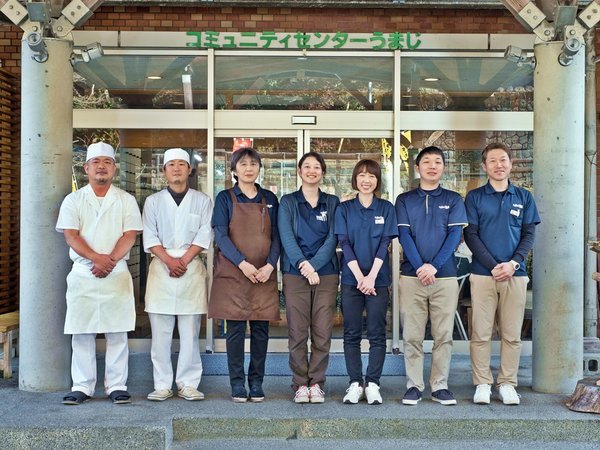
point(465, 84)
point(278, 157)
point(142, 81)
point(313, 82)
point(463, 151)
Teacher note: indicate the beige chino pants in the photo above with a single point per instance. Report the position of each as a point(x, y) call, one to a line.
point(417, 303)
point(503, 301)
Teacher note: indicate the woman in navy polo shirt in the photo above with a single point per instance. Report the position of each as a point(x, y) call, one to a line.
point(310, 277)
point(365, 226)
point(245, 280)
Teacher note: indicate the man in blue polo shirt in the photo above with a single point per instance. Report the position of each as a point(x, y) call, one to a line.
point(501, 231)
point(430, 221)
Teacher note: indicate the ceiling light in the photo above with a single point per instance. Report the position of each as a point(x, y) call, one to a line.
point(154, 77)
point(431, 79)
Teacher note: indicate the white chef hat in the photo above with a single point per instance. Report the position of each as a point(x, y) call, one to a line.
point(100, 149)
point(176, 153)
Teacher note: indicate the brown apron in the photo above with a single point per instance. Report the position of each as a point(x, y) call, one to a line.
point(233, 296)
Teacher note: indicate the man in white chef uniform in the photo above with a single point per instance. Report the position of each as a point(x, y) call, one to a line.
point(176, 229)
point(100, 223)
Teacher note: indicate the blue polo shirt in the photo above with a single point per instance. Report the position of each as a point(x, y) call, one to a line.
point(310, 230)
point(499, 217)
point(365, 227)
point(221, 218)
point(428, 216)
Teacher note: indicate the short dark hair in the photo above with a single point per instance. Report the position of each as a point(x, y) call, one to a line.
point(240, 154)
point(495, 146)
point(315, 155)
point(431, 150)
point(366, 165)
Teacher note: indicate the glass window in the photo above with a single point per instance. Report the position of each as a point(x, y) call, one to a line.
point(278, 156)
point(312, 82)
point(465, 84)
point(141, 82)
point(463, 152)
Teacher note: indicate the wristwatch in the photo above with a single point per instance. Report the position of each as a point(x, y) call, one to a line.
point(515, 264)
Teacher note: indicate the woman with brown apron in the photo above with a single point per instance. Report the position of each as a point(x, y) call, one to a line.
point(245, 279)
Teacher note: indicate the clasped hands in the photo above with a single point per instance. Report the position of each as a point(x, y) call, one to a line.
point(255, 275)
point(309, 272)
point(103, 265)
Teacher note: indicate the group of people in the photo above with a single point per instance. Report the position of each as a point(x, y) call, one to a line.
point(252, 230)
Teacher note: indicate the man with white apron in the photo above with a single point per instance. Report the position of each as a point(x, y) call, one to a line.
point(176, 229)
point(100, 223)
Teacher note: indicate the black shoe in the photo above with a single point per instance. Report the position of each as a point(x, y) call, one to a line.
point(443, 396)
point(257, 394)
point(239, 395)
point(412, 396)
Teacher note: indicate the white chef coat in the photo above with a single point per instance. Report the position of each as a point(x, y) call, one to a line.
point(99, 305)
point(176, 228)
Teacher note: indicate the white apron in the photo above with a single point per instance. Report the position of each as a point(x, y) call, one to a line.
point(99, 305)
point(174, 296)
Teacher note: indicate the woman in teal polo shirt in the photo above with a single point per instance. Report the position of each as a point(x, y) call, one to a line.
point(365, 226)
point(310, 277)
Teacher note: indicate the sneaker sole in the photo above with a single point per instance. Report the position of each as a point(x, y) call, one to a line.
point(350, 402)
point(239, 400)
point(410, 402)
point(159, 399)
point(300, 401)
point(318, 400)
point(191, 399)
point(509, 403)
point(444, 402)
point(375, 402)
point(257, 399)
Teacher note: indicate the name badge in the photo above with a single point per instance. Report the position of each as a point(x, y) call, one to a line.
point(379, 220)
point(515, 212)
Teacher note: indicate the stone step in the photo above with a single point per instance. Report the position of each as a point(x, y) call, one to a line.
point(367, 428)
point(379, 444)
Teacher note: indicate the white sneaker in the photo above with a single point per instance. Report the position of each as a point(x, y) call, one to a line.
point(509, 395)
point(482, 394)
point(373, 395)
point(160, 395)
point(302, 395)
point(317, 395)
point(354, 394)
point(190, 393)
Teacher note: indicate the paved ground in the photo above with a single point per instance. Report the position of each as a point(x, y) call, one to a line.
point(34, 420)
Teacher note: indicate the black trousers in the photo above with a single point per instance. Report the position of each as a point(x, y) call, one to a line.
point(259, 340)
point(354, 303)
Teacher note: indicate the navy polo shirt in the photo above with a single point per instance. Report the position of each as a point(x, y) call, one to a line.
point(365, 227)
point(221, 218)
point(499, 217)
point(428, 215)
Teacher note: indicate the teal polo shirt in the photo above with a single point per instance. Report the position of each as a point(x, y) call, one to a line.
point(499, 217)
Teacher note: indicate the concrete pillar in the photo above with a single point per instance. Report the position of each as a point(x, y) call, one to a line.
point(558, 161)
point(590, 312)
point(46, 155)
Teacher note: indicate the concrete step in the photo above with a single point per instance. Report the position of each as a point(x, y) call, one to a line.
point(378, 428)
point(36, 420)
point(379, 444)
